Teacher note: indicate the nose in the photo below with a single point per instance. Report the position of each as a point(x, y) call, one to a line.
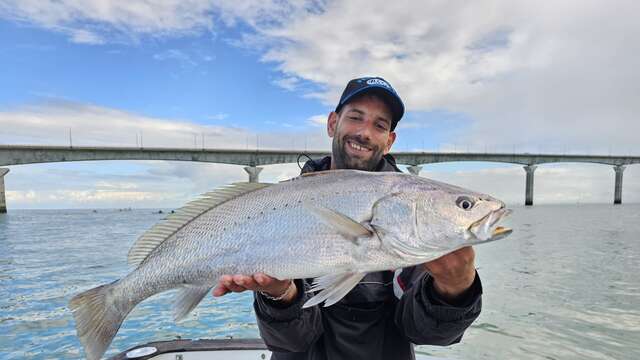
point(366, 129)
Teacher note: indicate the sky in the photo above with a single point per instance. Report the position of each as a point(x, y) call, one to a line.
point(496, 76)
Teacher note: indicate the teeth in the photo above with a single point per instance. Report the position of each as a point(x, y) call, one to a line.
point(357, 147)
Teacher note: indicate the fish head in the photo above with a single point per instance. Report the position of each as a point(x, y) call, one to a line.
point(428, 219)
point(453, 217)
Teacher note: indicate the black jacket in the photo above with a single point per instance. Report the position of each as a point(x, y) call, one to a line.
point(381, 318)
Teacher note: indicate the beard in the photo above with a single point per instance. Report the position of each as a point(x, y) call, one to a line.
point(344, 160)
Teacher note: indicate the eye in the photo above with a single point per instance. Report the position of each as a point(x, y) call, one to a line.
point(464, 203)
point(382, 126)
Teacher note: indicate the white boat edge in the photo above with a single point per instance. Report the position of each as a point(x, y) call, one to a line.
point(209, 349)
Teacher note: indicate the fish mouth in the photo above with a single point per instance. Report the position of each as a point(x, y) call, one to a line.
point(487, 229)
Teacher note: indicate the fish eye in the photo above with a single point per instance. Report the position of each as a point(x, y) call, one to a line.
point(464, 203)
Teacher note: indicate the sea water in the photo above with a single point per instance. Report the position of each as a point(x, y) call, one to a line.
point(565, 285)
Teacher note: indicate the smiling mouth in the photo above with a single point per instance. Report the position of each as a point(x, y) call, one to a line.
point(486, 229)
point(358, 147)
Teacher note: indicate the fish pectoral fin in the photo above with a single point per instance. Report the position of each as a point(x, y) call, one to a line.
point(334, 287)
point(343, 224)
point(187, 299)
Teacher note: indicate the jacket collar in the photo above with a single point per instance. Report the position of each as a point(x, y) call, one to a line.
point(387, 163)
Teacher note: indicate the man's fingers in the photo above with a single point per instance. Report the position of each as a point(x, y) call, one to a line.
point(263, 280)
point(230, 284)
point(235, 288)
point(219, 290)
point(240, 283)
point(246, 282)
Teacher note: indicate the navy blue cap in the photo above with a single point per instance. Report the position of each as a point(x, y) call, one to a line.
point(379, 86)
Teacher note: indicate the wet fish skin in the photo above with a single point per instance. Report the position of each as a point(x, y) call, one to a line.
point(335, 225)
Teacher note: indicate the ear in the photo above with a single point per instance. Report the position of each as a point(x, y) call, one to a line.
point(390, 140)
point(332, 123)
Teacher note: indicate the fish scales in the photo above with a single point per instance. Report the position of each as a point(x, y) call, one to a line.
point(323, 224)
point(274, 220)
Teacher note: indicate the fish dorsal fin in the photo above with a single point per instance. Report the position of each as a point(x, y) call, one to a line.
point(163, 230)
point(316, 173)
point(334, 172)
point(308, 175)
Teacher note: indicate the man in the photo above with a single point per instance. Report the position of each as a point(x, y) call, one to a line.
point(387, 312)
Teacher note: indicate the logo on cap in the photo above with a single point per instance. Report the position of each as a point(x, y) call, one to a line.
point(379, 82)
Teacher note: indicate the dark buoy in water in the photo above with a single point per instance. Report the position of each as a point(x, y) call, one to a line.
point(159, 211)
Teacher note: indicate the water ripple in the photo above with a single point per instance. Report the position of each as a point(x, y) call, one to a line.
point(563, 286)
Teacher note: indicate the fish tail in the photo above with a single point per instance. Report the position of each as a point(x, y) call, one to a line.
point(98, 315)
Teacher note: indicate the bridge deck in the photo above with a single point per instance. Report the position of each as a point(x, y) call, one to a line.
point(28, 154)
point(251, 159)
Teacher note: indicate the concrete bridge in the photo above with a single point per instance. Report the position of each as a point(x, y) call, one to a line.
point(253, 160)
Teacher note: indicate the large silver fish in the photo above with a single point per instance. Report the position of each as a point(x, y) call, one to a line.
point(335, 226)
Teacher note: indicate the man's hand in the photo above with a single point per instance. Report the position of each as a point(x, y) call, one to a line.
point(453, 273)
point(258, 282)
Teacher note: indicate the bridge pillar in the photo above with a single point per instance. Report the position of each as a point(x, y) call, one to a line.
point(617, 194)
point(530, 169)
point(253, 172)
point(3, 202)
point(414, 169)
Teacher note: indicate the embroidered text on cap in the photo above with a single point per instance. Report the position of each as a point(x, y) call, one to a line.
point(379, 82)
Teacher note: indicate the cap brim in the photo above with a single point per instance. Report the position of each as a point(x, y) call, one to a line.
point(392, 99)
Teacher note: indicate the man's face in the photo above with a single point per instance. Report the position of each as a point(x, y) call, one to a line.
point(361, 134)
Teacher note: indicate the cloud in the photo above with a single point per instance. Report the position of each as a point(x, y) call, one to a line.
point(92, 185)
point(219, 116)
point(88, 199)
point(116, 20)
point(118, 184)
point(176, 55)
point(161, 184)
point(405, 124)
point(128, 21)
point(85, 37)
point(525, 75)
point(57, 122)
point(318, 120)
point(289, 83)
point(122, 184)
